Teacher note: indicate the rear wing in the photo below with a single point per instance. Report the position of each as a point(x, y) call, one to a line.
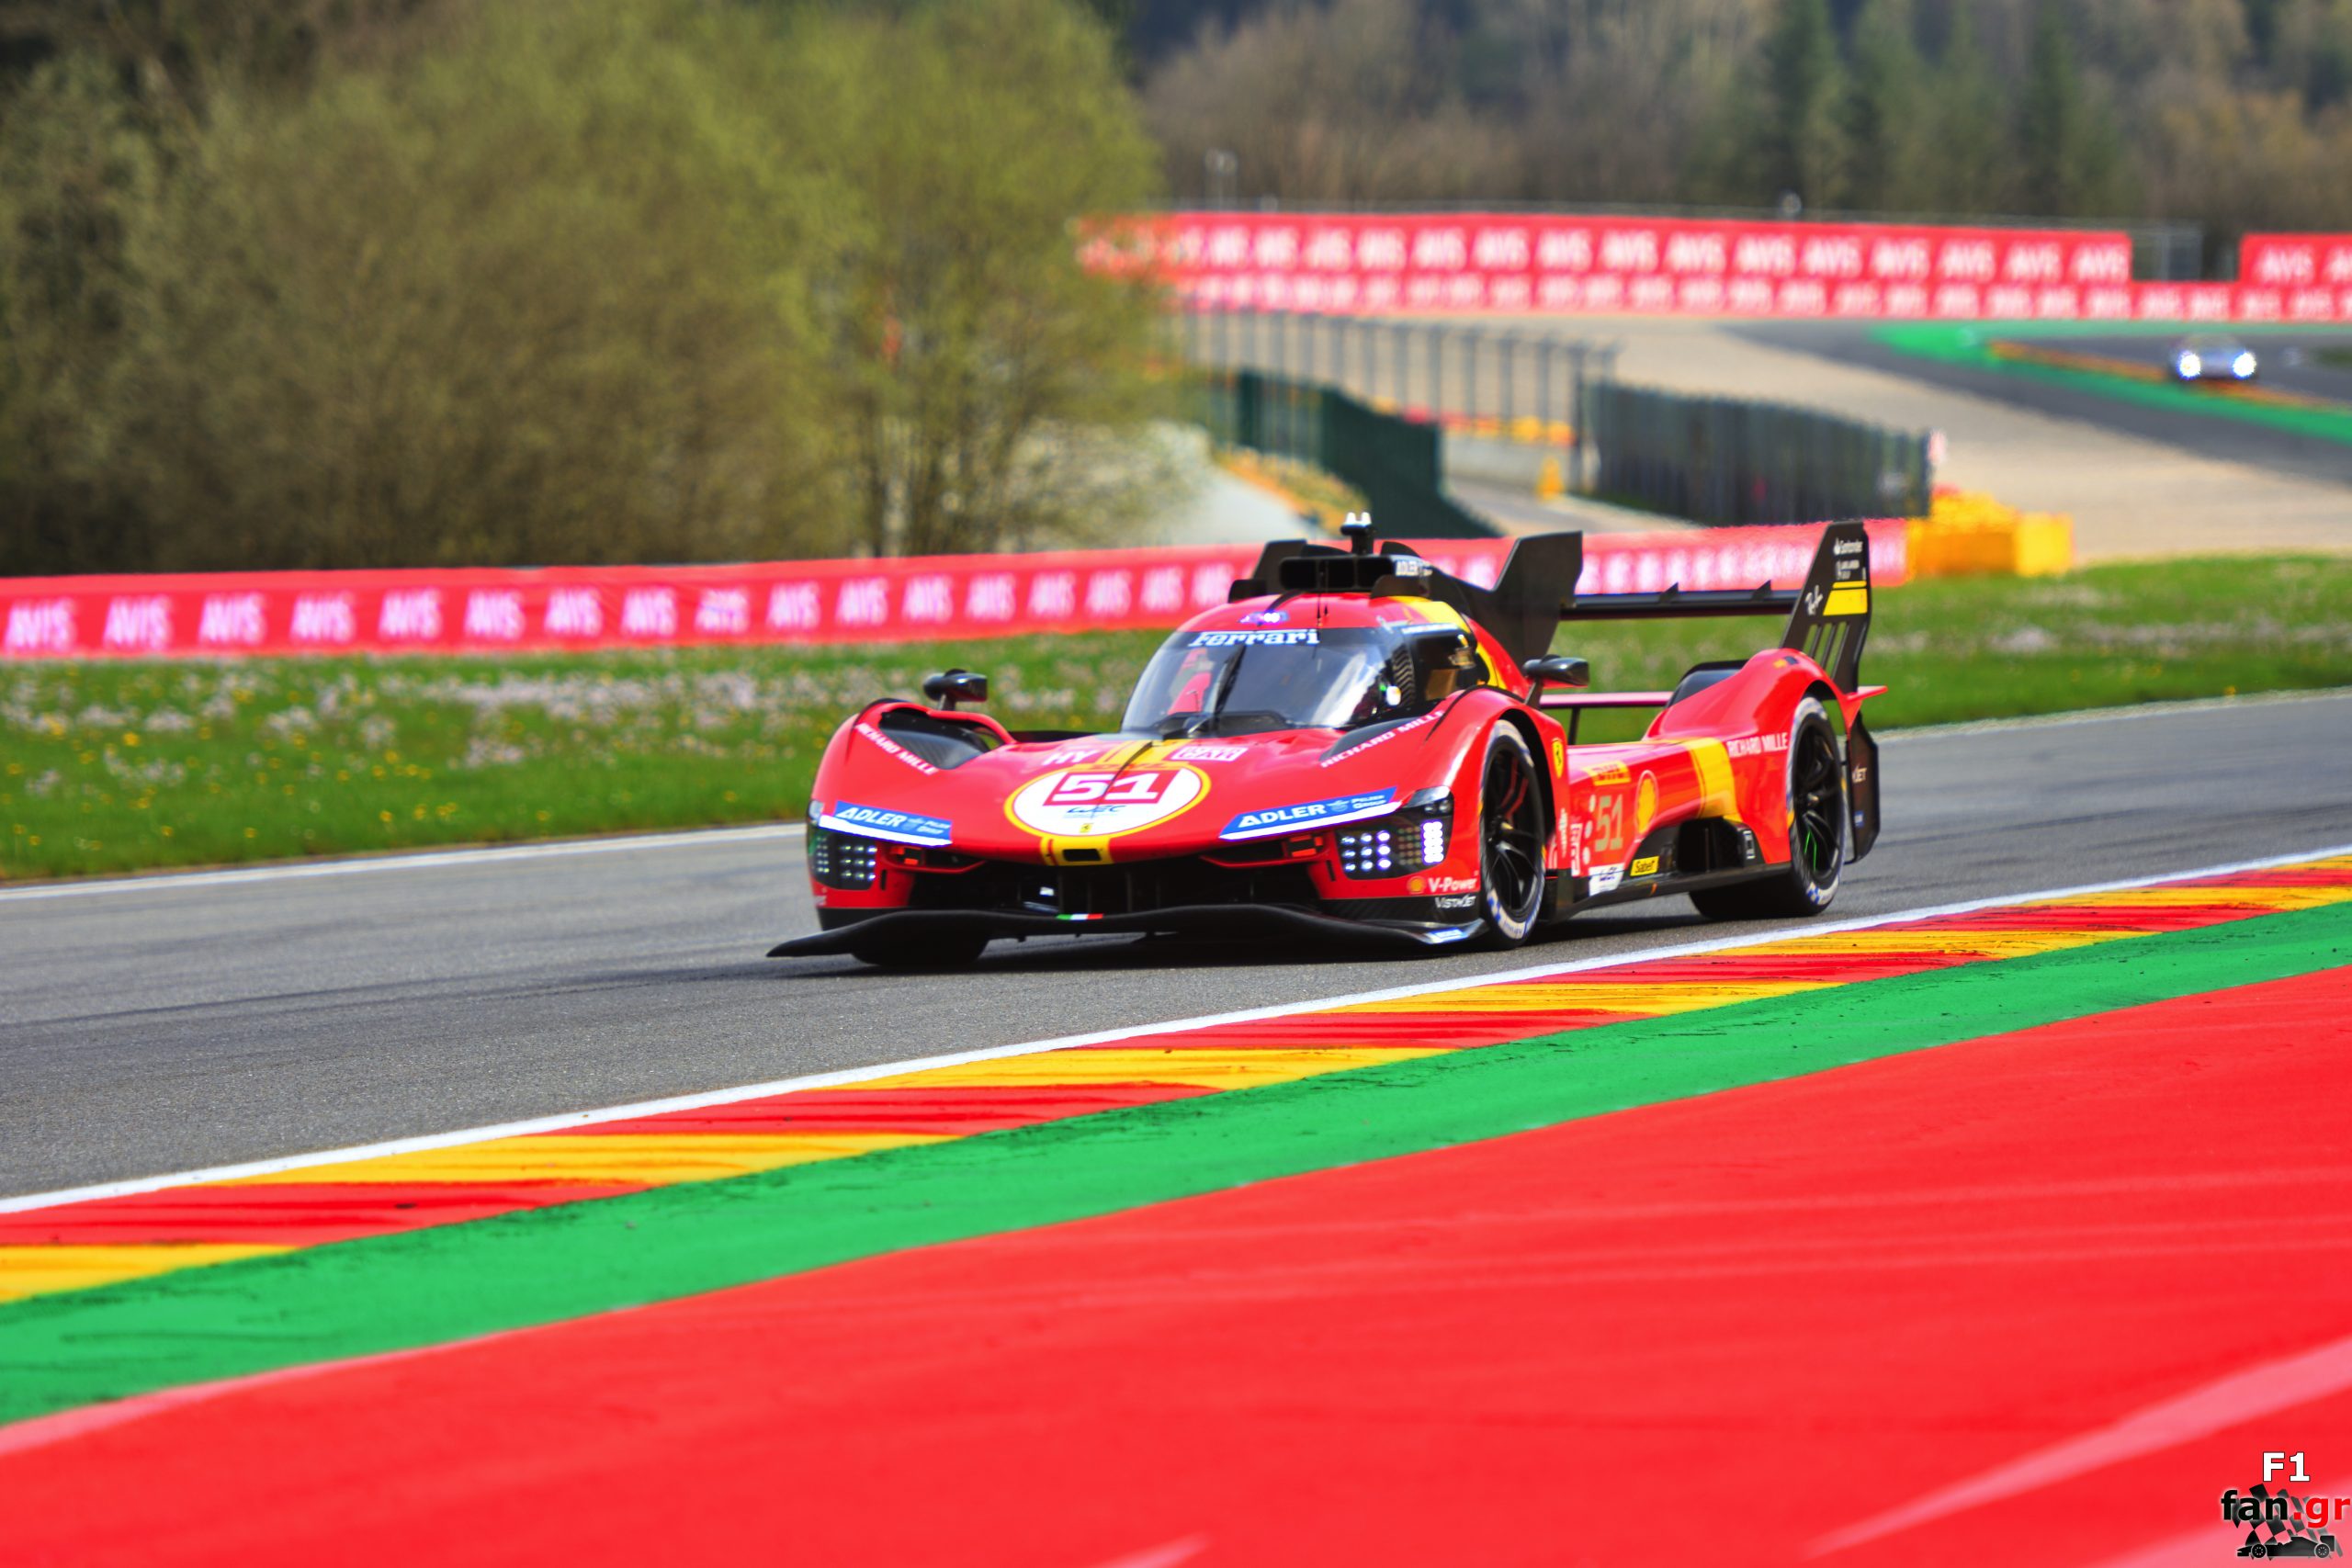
point(1829, 616)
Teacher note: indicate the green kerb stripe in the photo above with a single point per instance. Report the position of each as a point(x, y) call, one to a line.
point(454, 1281)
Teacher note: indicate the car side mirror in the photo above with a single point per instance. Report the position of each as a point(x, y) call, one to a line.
point(1555, 670)
point(949, 687)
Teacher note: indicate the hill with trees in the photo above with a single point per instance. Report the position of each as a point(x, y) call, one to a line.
point(366, 283)
point(2234, 113)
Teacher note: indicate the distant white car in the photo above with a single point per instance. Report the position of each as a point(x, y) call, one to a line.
point(2213, 359)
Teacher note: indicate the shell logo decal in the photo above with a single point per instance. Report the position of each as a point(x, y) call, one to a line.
point(1645, 805)
point(1104, 803)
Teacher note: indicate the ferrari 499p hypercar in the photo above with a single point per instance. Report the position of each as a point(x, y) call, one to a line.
point(1358, 745)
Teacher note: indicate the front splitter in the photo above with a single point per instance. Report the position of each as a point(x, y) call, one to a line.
point(897, 928)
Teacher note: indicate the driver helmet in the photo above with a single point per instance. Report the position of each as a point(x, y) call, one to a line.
point(1446, 667)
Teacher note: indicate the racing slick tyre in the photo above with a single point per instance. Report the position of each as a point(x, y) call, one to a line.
point(953, 950)
point(1817, 821)
point(1510, 840)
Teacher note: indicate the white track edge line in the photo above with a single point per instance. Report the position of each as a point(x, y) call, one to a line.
point(689, 837)
point(568, 1119)
point(479, 854)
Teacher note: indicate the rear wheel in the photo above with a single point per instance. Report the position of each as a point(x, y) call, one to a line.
point(953, 950)
point(1511, 839)
point(1817, 822)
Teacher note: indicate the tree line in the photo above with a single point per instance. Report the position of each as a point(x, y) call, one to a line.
point(2236, 114)
point(355, 282)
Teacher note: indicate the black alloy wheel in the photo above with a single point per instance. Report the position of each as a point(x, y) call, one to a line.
point(1818, 813)
point(1511, 839)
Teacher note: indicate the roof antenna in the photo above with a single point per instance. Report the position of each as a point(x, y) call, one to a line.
point(1358, 529)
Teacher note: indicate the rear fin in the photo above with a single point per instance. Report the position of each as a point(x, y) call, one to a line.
point(1832, 617)
point(1522, 609)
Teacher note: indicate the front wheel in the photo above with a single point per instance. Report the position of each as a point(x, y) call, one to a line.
point(1511, 839)
point(1818, 823)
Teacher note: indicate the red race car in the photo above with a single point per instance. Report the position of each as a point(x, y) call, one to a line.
point(1358, 745)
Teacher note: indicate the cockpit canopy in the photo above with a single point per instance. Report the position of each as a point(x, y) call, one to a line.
point(1253, 679)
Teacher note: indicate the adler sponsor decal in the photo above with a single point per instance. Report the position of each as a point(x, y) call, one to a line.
point(900, 826)
point(1201, 752)
point(1309, 814)
point(883, 743)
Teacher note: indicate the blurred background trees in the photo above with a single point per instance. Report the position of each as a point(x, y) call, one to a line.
point(373, 282)
point(307, 283)
point(2236, 113)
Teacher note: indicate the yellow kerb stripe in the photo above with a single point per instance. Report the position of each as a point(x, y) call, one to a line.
point(1991, 944)
point(653, 1159)
point(2195, 897)
point(1648, 998)
point(1202, 1068)
point(35, 1270)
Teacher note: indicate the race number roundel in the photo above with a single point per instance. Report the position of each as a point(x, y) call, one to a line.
point(1074, 803)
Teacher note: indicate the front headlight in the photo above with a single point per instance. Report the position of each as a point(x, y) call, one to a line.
point(2190, 365)
point(839, 859)
point(1413, 839)
point(2243, 366)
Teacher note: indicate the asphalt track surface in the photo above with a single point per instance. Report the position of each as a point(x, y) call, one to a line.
point(2216, 436)
point(178, 1023)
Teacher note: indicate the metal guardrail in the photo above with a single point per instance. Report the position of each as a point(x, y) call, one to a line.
point(1522, 383)
point(1281, 378)
point(1394, 462)
point(1722, 460)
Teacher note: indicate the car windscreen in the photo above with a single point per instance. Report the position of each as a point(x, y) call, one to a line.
point(1240, 683)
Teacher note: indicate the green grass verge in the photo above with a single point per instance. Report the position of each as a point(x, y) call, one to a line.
point(112, 767)
point(454, 1281)
point(1972, 346)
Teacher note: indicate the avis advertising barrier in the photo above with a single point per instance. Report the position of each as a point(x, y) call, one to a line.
point(2314, 261)
point(1727, 460)
point(1505, 262)
point(840, 602)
